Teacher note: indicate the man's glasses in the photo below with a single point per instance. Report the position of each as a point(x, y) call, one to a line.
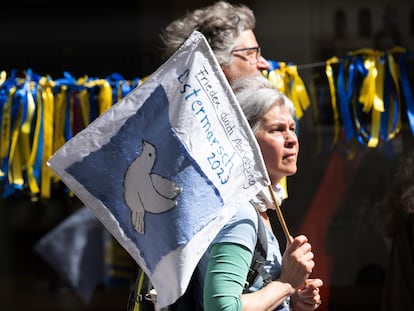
point(252, 55)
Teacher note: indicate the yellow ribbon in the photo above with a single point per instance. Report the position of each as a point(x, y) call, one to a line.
point(25, 143)
point(332, 89)
point(6, 128)
point(59, 118)
point(15, 173)
point(378, 104)
point(364, 51)
point(48, 105)
point(366, 97)
point(3, 77)
point(105, 94)
point(277, 78)
point(371, 93)
point(287, 80)
point(283, 183)
point(299, 96)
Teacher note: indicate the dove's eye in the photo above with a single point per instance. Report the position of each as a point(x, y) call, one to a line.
point(150, 154)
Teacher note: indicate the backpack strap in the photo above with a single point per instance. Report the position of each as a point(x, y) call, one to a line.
point(139, 297)
point(259, 258)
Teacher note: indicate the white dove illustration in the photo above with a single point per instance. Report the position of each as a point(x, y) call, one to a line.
point(145, 191)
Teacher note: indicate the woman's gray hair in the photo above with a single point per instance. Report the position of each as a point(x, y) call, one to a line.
point(256, 96)
point(221, 24)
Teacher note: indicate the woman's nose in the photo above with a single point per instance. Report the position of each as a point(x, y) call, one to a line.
point(291, 138)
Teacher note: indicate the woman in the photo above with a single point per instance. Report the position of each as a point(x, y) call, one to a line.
point(229, 31)
point(271, 116)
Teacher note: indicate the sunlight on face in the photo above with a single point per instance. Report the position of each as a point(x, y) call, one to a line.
point(241, 65)
point(278, 142)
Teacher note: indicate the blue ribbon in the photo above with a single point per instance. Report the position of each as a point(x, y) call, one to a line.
point(273, 65)
point(4, 95)
point(37, 165)
point(386, 99)
point(362, 72)
point(345, 94)
point(406, 89)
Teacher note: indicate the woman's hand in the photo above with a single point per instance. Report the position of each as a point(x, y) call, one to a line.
point(308, 298)
point(297, 262)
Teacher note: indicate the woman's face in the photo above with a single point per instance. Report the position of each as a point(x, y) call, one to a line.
point(246, 60)
point(278, 142)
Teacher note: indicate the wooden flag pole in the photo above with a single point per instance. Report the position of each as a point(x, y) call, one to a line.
point(289, 238)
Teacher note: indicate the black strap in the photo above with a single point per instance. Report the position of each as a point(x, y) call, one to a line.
point(140, 293)
point(259, 258)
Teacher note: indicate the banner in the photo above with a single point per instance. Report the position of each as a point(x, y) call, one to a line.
point(83, 266)
point(167, 166)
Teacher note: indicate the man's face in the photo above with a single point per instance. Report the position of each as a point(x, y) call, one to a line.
point(246, 58)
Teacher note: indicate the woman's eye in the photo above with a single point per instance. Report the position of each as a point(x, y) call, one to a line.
point(278, 129)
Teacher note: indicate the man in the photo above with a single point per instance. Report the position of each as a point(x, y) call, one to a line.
point(229, 31)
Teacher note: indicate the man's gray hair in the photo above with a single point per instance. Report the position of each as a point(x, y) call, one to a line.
point(221, 24)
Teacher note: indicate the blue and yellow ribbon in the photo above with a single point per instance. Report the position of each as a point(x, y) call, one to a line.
point(38, 115)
